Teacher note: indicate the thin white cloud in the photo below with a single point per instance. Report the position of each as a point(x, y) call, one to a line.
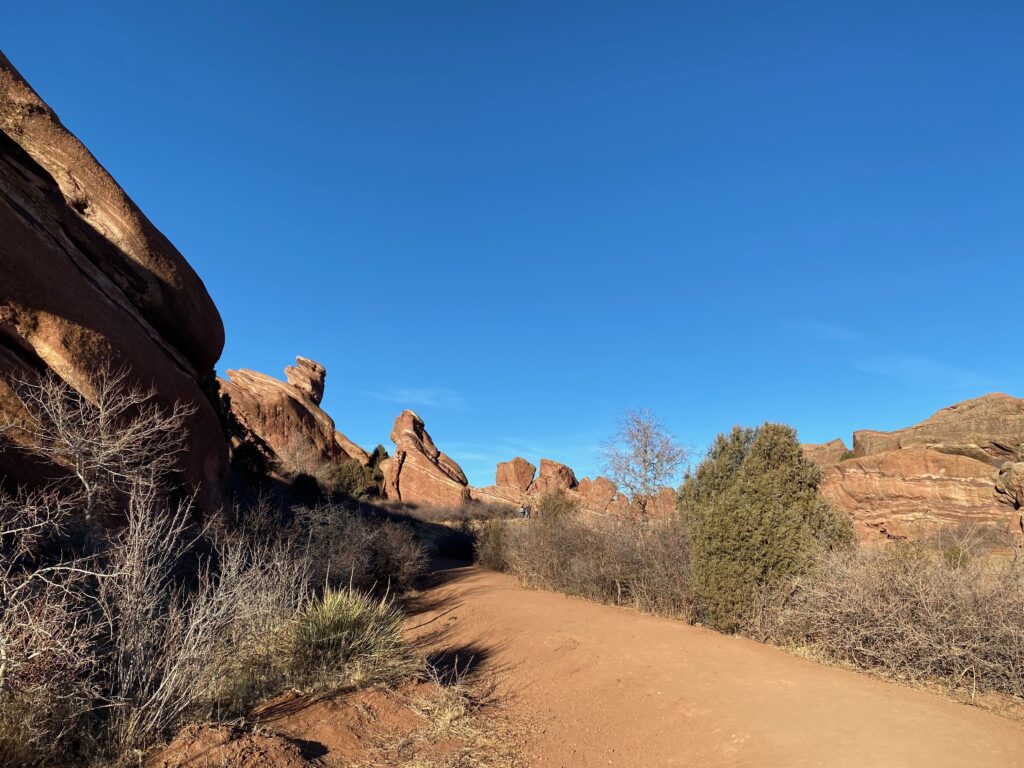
point(425, 397)
point(915, 369)
point(819, 329)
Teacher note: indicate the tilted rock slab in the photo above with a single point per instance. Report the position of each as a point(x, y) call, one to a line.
point(418, 472)
point(988, 428)
point(517, 473)
point(825, 454)
point(86, 280)
point(284, 418)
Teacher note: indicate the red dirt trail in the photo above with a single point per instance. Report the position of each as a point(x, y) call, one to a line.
point(607, 686)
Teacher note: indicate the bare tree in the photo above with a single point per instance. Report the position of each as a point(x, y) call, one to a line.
point(642, 457)
point(111, 435)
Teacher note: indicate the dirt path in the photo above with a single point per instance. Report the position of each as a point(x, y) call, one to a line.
point(609, 686)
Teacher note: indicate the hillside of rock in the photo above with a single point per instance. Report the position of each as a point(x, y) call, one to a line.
point(86, 280)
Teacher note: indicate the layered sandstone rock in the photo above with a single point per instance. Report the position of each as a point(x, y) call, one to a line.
point(418, 472)
point(284, 418)
point(988, 428)
point(87, 281)
point(958, 466)
point(517, 473)
point(825, 454)
point(910, 493)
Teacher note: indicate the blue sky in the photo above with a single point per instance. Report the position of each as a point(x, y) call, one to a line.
point(517, 218)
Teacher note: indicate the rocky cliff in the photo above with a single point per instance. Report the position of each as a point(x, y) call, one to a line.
point(961, 465)
point(418, 472)
point(86, 280)
point(284, 420)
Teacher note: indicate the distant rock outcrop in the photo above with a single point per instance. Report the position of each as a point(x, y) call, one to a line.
point(826, 454)
point(910, 493)
point(418, 472)
point(553, 476)
point(598, 496)
point(87, 281)
point(517, 473)
point(958, 466)
point(284, 420)
point(988, 428)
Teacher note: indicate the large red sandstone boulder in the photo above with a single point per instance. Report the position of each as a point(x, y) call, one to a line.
point(553, 476)
point(988, 428)
point(517, 473)
point(418, 472)
point(86, 281)
point(1010, 484)
point(284, 418)
point(825, 454)
point(910, 493)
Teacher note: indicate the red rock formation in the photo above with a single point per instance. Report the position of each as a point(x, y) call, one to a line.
point(284, 419)
point(553, 477)
point(517, 473)
point(988, 428)
point(910, 493)
point(86, 280)
point(419, 473)
point(1010, 485)
point(825, 454)
point(943, 471)
point(599, 496)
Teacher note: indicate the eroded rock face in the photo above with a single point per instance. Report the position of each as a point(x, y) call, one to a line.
point(1010, 484)
point(910, 493)
point(418, 472)
point(517, 473)
point(307, 376)
point(825, 454)
point(554, 476)
point(988, 428)
point(284, 418)
point(86, 280)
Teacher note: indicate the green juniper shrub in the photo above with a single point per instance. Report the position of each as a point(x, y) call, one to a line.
point(352, 480)
point(755, 520)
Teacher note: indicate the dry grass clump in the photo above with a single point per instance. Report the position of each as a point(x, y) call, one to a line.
point(911, 611)
point(345, 637)
point(470, 512)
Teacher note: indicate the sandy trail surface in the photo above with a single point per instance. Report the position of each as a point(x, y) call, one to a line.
point(599, 686)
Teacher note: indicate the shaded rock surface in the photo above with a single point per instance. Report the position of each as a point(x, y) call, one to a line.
point(87, 280)
point(825, 454)
point(418, 472)
point(284, 418)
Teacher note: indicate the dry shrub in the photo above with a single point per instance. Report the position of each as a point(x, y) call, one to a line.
point(112, 640)
point(643, 564)
point(348, 549)
point(911, 612)
point(470, 512)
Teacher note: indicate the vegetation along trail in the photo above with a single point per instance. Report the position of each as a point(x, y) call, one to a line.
point(596, 685)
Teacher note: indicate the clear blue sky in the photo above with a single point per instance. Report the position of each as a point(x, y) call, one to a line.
point(519, 217)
